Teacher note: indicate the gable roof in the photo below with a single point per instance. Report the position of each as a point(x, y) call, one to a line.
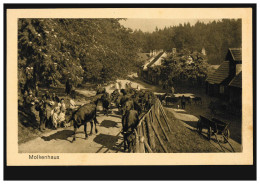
point(220, 74)
point(237, 81)
point(236, 53)
point(143, 56)
point(155, 59)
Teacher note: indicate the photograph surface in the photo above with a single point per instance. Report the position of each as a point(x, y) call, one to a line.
point(160, 84)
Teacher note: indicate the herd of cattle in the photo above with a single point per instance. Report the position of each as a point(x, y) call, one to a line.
point(131, 103)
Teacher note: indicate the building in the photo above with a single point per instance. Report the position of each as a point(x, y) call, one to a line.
point(147, 72)
point(235, 91)
point(218, 83)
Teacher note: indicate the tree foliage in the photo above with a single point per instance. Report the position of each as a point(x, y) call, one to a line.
point(93, 50)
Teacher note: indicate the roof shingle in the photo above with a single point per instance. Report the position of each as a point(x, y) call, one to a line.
point(236, 54)
point(237, 81)
point(155, 59)
point(220, 74)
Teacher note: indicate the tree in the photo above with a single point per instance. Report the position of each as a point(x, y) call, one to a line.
point(85, 50)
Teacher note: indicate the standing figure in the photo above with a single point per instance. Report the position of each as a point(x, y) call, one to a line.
point(30, 105)
point(126, 85)
point(41, 107)
point(68, 85)
point(120, 85)
point(117, 86)
point(24, 98)
point(172, 91)
point(47, 95)
point(183, 102)
point(61, 117)
point(62, 105)
point(55, 117)
point(55, 98)
point(36, 90)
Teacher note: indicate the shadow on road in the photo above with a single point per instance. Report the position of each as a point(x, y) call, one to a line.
point(107, 141)
point(62, 135)
point(109, 123)
point(191, 123)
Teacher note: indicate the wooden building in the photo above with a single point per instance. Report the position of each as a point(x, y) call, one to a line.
point(217, 84)
point(235, 91)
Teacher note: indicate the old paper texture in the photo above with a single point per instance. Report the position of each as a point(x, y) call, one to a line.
point(20, 159)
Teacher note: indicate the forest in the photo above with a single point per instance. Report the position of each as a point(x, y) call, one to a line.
point(100, 50)
point(215, 37)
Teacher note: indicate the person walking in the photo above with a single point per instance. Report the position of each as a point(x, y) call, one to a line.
point(183, 103)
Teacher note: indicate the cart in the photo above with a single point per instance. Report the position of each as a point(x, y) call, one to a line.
point(214, 127)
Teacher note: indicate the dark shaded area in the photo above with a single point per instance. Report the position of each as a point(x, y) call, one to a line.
point(108, 141)
point(109, 123)
point(191, 123)
point(117, 113)
point(62, 135)
point(27, 119)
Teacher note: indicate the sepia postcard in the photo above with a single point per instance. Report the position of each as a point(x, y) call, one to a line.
point(129, 86)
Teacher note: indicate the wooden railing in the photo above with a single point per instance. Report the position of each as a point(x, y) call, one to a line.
point(146, 132)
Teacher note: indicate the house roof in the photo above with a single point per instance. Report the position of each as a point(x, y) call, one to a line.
point(155, 59)
point(220, 74)
point(143, 56)
point(237, 81)
point(236, 54)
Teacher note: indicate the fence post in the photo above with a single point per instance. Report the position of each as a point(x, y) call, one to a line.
point(159, 138)
point(159, 122)
point(141, 139)
point(150, 131)
point(147, 146)
point(165, 117)
point(136, 150)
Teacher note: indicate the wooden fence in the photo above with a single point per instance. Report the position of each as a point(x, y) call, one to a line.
point(147, 131)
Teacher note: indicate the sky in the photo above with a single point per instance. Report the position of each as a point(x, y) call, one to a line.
point(149, 25)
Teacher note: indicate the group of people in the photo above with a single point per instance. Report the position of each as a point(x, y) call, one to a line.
point(119, 86)
point(49, 110)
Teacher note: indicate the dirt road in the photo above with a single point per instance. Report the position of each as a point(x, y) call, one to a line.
point(107, 140)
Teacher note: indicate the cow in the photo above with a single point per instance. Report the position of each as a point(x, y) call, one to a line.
point(187, 99)
point(86, 113)
point(161, 97)
point(130, 121)
point(105, 102)
point(197, 100)
point(170, 99)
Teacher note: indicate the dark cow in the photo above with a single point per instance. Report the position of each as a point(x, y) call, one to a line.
point(130, 121)
point(86, 113)
point(105, 99)
point(170, 99)
point(161, 97)
point(197, 100)
point(187, 99)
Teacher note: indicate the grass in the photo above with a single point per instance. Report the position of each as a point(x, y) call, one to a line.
point(182, 139)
